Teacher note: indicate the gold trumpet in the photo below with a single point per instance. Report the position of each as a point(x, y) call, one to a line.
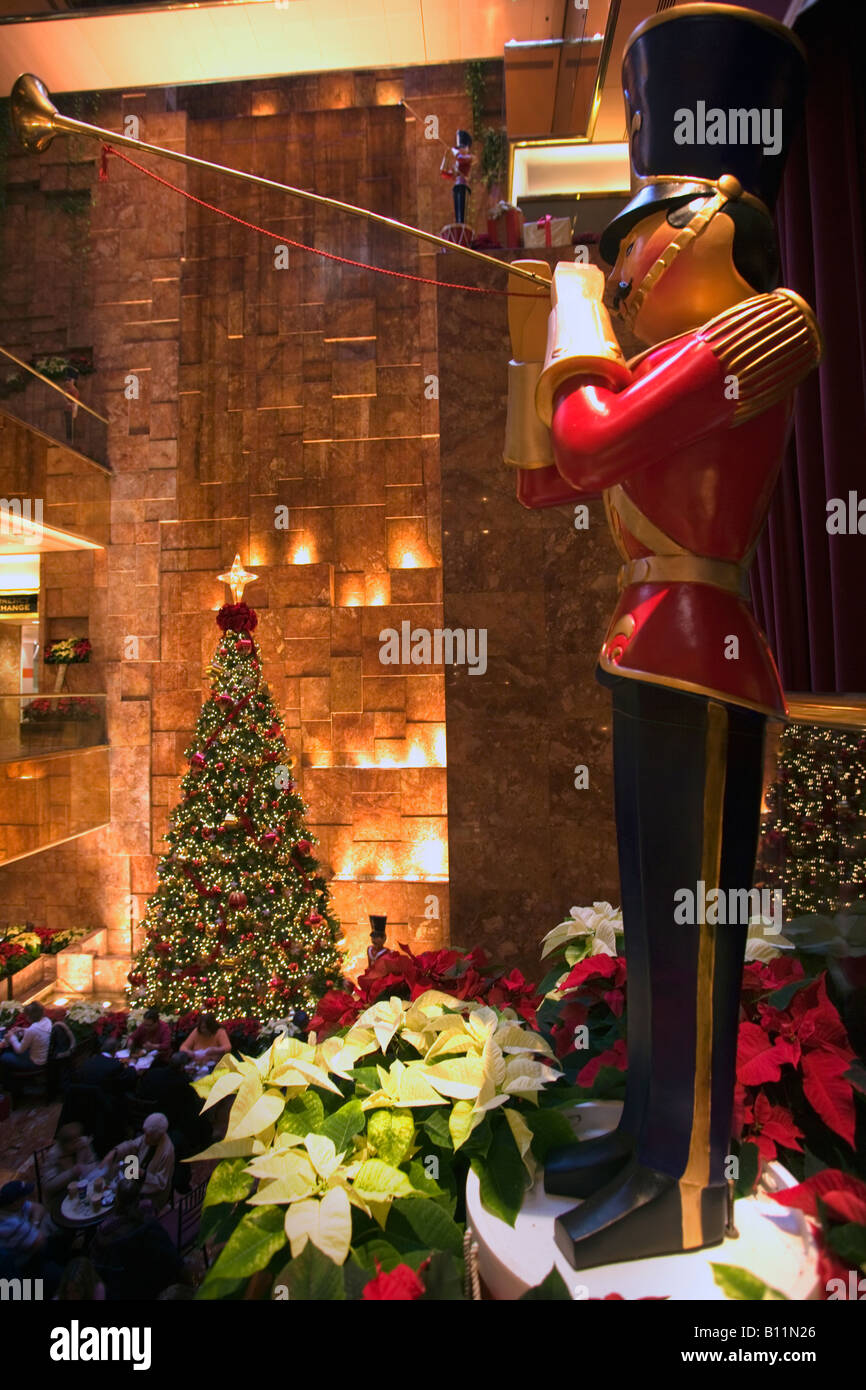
point(36, 121)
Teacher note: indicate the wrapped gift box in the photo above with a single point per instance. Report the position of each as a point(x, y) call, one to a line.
point(548, 231)
point(505, 226)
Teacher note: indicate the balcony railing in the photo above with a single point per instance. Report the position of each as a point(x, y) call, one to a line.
point(44, 405)
point(32, 726)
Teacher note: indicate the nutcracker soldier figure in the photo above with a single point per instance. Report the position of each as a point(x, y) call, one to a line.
point(460, 166)
point(685, 444)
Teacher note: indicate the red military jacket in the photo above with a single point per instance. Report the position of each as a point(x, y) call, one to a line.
point(687, 456)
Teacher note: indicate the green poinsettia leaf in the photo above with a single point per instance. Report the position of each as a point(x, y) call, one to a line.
point(423, 1182)
point(214, 1289)
point(217, 1223)
point(391, 1133)
point(251, 1246)
point(740, 1284)
point(781, 997)
point(501, 1176)
point(849, 1242)
point(366, 1079)
point(311, 1277)
point(376, 1180)
point(382, 1253)
point(479, 1141)
point(343, 1125)
point(749, 1165)
point(550, 1129)
point(303, 1114)
point(442, 1280)
point(552, 1289)
point(355, 1279)
point(436, 1126)
point(228, 1183)
point(433, 1226)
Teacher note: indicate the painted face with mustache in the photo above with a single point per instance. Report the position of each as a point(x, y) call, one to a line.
point(700, 281)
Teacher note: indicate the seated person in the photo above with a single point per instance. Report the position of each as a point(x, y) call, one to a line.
point(154, 1154)
point(133, 1253)
point(22, 1226)
point(105, 1070)
point(25, 1050)
point(208, 1041)
point(61, 1040)
point(70, 1157)
point(169, 1090)
point(151, 1035)
point(80, 1282)
point(28, 1244)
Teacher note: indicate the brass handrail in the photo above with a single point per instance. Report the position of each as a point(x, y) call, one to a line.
point(831, 711)
point(53, 384)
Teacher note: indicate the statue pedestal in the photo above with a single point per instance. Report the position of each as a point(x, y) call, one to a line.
point(774, 1242)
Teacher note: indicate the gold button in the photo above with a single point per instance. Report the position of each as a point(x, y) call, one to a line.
point(730, 186)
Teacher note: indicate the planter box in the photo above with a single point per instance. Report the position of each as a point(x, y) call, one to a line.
point(30, 978)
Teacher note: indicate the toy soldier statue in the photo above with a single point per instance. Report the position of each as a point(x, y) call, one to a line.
point(377, 945)
point(685, 443)
point(459, 169)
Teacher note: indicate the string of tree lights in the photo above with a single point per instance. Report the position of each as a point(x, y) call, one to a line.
point(814, 827)
point(241, 921)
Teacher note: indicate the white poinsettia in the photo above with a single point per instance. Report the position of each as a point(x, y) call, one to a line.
point(596, 927)
point(482, 1081)
point(307, 1175)
point(325, 1221)
point(385, 1017)
point(402, 1084)
point(764, 941)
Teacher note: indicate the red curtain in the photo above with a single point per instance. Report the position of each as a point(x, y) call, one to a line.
point(808, 587)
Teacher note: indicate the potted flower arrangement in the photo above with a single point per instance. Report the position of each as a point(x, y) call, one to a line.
point(22, 944)
point(67, 651)
point(45, 715)
point(64, 652)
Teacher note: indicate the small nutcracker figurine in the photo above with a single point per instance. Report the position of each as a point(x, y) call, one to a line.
point(377, 945)
point(461, 159)
point(685, 443)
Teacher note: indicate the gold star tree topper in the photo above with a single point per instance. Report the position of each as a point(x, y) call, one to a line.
point(237, 578)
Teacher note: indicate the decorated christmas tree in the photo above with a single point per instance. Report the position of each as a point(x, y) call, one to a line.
point(241, 922)
point(813, 843)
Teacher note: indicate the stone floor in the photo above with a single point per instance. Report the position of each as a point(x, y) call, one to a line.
point(28, 1128)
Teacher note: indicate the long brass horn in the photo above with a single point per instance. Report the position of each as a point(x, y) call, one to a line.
point(36, 121)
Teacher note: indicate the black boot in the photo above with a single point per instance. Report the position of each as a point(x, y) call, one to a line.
point(640, 1214)
point(579, 1169)
point(698, 811)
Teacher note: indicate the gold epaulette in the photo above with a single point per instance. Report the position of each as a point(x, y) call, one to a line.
point(768, 344)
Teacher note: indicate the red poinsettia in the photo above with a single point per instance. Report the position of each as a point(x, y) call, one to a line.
point(337, 1009)
point(599, 979)
point(615, 1056)
point(831, 1198)
point(408, 976)
point(770, 1125)
point(762, 977)
point(621, 1298)
point(401, 1283)
point(808, 1034)
point(843, 1196)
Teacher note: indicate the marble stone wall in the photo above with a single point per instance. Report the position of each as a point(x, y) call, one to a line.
point(525, 844)
point(256, 389)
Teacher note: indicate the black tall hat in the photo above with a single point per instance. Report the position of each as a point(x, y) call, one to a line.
point(700, 60)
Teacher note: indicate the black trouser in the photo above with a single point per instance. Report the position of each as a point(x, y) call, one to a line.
point(688, 776)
